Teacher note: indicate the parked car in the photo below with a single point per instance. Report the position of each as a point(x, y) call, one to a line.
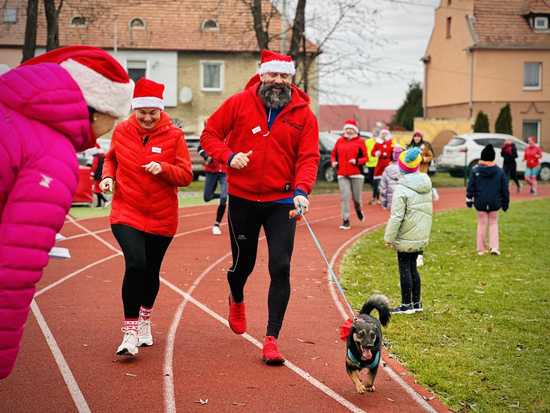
point(327, 140)
point(85, 158)
point(465, 151)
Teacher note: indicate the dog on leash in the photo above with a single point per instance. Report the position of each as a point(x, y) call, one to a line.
point(364, 341)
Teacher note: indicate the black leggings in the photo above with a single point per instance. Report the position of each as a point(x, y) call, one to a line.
point(143, 254)
point(511, 172)
point(409, 277)
point(100, 199)
point(245, 220)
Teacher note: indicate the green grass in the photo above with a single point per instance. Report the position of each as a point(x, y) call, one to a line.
point(443, 179)
point(482, 342)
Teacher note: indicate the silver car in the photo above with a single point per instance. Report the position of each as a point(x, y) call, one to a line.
point(464, 151)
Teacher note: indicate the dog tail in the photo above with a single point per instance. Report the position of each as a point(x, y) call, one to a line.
point(381, 303)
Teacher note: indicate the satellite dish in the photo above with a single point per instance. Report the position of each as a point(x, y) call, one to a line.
point(186, 94)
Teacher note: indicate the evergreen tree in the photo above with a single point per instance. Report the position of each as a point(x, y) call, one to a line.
point(411, 107)
point(482, 122)
point(504, 120)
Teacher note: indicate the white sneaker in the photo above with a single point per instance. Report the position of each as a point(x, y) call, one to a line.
point(145, 337)
point(495, 252)
point(216, 230)
point(420, 261)
point(129, 345)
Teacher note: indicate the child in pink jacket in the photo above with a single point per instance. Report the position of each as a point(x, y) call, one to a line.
point(50, 107)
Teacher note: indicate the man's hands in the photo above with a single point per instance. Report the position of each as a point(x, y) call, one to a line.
point(240, 160)
point(301, 202)
point(353, 161)
point(106, 185)
point(153, 168)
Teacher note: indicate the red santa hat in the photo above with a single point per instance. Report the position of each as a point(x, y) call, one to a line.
point(148, 94)
point(103, 81)
point(352, 124)
point(273, 62)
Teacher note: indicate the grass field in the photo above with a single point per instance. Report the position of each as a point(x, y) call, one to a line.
point(483, 341)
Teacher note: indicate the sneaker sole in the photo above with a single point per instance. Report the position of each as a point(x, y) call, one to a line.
point(404, 312)
point(124, 353)
point(345, 228)
point(273, 362)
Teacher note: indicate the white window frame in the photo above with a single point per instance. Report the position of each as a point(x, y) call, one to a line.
point(137, 27)
point(539, 87)
point(137, 64)
point(10, 15)
point(79, 25)
point(539, 19)
point(221, 63)
point(539, 127)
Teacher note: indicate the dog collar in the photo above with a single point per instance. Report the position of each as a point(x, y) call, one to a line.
point(358, 364)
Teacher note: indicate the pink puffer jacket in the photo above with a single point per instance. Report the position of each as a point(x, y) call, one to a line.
point(43, 121)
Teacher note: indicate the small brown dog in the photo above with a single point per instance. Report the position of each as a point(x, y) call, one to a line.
point(364, 341)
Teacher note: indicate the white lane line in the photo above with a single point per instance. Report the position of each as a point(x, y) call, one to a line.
point(305, 375)
point(333, 293)
point(74, 390)
point(169, 393)
point(71, 275)
point(410, 391)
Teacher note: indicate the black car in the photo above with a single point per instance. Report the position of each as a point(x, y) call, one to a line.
point(327, 140)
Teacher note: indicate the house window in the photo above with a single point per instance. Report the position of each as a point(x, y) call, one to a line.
point(448, 29)
point(10, 15)
point(136, 69)
point(532, 76)
point(212, 76)
point(137, 23)
point(531, 128)
point(210, 25)
point(541, 23)
point(78, 21)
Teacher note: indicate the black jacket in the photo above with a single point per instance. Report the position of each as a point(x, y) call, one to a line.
point(488, 188)
point(509, 154)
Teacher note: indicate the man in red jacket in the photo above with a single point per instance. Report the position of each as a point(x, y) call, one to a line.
point(268, 137)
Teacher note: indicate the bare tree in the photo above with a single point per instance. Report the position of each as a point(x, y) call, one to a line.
point(52, 20)
point(329, 39)
point(31, 24)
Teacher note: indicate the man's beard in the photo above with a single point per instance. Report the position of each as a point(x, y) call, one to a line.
point(273, 99)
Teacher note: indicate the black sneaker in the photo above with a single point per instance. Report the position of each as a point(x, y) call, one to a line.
point(403, 309)
point(360, 214)
point(345, 224)
point(417, 307)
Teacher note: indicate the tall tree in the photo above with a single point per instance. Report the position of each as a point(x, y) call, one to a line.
point(411, 108)
point(52, 19)
point(504, 120)
point(482, 122)
point(343, 31)
point(29, 47)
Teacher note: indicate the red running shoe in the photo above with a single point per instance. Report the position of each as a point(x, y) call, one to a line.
point(237, 317)
point(270, 352)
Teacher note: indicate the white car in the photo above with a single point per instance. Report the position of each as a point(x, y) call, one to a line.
point(464, 151)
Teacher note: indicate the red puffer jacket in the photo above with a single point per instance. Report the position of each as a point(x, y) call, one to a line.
point(142, 200)
point(347, 149)
point(283, 159)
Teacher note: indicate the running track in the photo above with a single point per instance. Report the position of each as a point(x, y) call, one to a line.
point(67, 362)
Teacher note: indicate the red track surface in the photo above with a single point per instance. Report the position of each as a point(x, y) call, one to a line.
point(84, 311)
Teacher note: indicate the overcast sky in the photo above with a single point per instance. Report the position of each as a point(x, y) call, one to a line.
point(407, 25)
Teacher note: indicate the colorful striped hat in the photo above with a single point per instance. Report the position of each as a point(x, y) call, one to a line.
point(409, 161)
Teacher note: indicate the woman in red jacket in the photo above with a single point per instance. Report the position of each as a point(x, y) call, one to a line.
point(348, 155)
point(146, 164)
point(531, 156)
